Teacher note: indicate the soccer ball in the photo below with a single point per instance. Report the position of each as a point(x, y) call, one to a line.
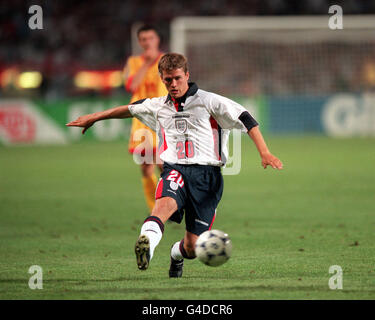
point(213, 248)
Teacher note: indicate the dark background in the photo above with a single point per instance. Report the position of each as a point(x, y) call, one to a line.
point(96, 35)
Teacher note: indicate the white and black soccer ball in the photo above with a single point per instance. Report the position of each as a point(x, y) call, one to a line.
point(213, 248)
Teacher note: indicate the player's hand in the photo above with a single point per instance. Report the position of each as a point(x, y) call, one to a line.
point(85, 122)
point(269, 159)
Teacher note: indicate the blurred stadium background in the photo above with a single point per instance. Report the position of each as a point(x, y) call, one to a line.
point(278, 58)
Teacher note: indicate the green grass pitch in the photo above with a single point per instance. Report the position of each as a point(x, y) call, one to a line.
point(77, 210)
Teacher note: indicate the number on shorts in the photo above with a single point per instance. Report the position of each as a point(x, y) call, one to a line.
point(175, 176)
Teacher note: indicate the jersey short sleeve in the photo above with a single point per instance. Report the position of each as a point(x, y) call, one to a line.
point(228, 113)
point(145, 111)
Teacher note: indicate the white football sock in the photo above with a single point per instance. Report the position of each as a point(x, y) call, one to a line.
point(152, 230)
point(175, 251)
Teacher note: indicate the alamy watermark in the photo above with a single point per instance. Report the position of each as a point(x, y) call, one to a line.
point(36, 280)
point(189, 147)
point(335, 282)
point(36, 20)
point(336, 20)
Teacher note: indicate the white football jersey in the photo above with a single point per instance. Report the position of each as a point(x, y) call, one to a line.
point(194, 131)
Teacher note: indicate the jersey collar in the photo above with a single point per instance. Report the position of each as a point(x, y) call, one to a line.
point(193, 88)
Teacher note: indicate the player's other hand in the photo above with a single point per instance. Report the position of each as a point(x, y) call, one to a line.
point(269, 159)
point(84, 122)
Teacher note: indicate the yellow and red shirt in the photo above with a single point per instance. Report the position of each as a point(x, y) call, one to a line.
point(150, 87)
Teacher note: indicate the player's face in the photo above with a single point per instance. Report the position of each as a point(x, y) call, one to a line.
point(176, 82)
point(149, 40)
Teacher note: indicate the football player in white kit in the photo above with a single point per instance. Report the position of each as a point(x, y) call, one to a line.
point(193, 127)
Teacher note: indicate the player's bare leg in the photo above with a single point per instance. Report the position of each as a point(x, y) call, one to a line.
point(180, 250)
point(152, 231)
point(164, 208)
point(189, 244)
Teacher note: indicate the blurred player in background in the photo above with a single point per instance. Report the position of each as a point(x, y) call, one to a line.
point(141, 78)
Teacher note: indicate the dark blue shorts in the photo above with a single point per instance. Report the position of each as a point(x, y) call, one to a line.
point(197, 190)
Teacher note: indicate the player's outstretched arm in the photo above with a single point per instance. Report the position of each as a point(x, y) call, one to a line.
point(268, 159)
point(88, 120)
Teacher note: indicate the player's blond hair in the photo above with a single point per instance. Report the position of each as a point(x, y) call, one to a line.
point(172, 61)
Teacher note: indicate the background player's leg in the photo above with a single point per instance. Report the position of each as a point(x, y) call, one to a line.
point(149, 182)
point(158, 161)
